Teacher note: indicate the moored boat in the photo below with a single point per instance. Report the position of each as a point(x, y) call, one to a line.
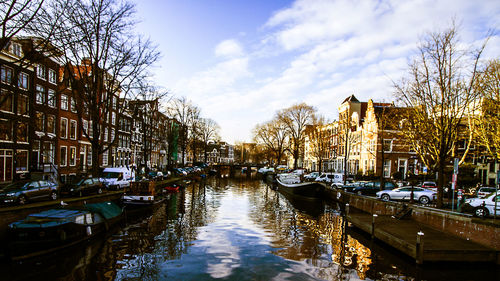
point(55, 229)
point(293, 186)
point(142, 194)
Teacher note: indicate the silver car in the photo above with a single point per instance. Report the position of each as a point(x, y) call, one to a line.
point(424, 196)
point(485, 206)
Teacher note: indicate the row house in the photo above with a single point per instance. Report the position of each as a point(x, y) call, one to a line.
point(16, 128)
point(220, 153)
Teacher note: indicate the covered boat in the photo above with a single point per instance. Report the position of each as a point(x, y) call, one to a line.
point(55, 229)
point(291, 184)
point(142, 193)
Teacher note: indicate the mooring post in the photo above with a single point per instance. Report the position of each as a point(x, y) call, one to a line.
point(373, 225)
point(419, 255)
point(347, 209)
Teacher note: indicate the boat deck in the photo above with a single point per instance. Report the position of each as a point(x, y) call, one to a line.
point(436, 245)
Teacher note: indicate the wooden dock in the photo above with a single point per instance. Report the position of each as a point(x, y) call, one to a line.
point(421, 242)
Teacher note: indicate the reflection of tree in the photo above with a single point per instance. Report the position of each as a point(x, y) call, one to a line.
point(298, 236)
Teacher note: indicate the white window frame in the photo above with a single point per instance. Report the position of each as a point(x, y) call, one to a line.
point(105, 138)
point(387, 172)
point(60, 127)
point(51, 98)
point(105, 158)
point(52, 76)
point(4, 70)
point(72, 148)
point(390, 146)
point(40, 72)
point(74, 137)
point(17, 49)
point(64, 102)
point(40, 94)
point(20, 79)
point(65, 156)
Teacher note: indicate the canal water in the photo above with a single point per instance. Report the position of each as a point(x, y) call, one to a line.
point(236, 229)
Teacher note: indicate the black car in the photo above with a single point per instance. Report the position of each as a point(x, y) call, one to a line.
point(371, 188)
point(83, 187)
point(25, 191)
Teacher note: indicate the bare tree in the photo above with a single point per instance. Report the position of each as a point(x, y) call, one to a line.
point(295, 119)
point(487, 125)
point(438, 91)
point(182, 110)
point(272, 135)
point(194, 132)
point(104, 60)
point(15, 16)
point(319, 139)
point(209, 132)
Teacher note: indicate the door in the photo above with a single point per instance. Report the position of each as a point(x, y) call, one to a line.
point(33, 190)
point(5, 165)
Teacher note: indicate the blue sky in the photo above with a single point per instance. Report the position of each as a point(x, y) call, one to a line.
point(241, 61)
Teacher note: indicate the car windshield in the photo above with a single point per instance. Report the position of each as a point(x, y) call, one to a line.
point(112, 175)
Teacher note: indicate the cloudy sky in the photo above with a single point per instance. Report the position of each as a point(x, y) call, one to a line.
point(240, 61)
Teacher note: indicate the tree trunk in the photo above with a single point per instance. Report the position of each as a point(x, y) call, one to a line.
point(439, 203)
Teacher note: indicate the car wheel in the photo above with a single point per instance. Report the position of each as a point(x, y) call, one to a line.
point(481, 212)
point(22, 200)
point(53, 196)
point(99, 190)
point(385, 197)
point(424, 200)
point(360, 193)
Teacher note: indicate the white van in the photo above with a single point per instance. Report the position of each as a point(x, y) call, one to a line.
point(331, 178)
point(117, 178)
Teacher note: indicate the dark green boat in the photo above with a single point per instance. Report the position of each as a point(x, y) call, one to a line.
point(55, 229)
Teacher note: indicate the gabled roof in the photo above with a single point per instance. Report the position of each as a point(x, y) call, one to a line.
point(351, 98)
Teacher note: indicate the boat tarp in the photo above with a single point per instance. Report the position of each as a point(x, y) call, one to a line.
point(108, 209)
point(48, 218)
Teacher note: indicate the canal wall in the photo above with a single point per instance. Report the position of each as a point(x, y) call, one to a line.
point(483, 231)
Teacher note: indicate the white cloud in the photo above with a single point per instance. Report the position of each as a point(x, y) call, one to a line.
point(229, 48)
point(320, 51)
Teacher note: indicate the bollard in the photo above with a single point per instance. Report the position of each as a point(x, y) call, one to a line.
point(373, 225)
point(419, 249)
point(347, 209)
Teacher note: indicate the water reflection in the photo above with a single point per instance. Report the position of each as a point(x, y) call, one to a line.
point(232, 229)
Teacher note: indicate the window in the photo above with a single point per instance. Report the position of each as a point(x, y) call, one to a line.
point(388, 145)
point(64, 128)
point(5, 130)
point(72, 156)
point(89, 156)
point(40, 72)
point(105, 158)
point(112, 138)
point(73, 105)
point(39, 121)
point(113, 118)
point(387, 168)
point(23, 81)
point(52, 76)
point(51, 98)
point(51, 124)
point(22, 132)
point(105, 134)
point(6, 101)
point(91, 130)
point(72, 130)
point(48, 152)
point(17, 49)
point(22, 161)
point(85, 126)
point(64, 102)
point(40, 94)
point(63, 156)
point(6, 74)
point(22, 105)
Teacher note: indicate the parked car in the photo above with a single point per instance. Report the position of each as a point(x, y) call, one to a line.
point(311, 176)
point(117, 178)
point(424, 196)
point(483, 192)
point(371, 188)
point(25, 191)
point(331, 178)
point(83, 187)
point(483, 207)
point(368, 187)
point(429, 185)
